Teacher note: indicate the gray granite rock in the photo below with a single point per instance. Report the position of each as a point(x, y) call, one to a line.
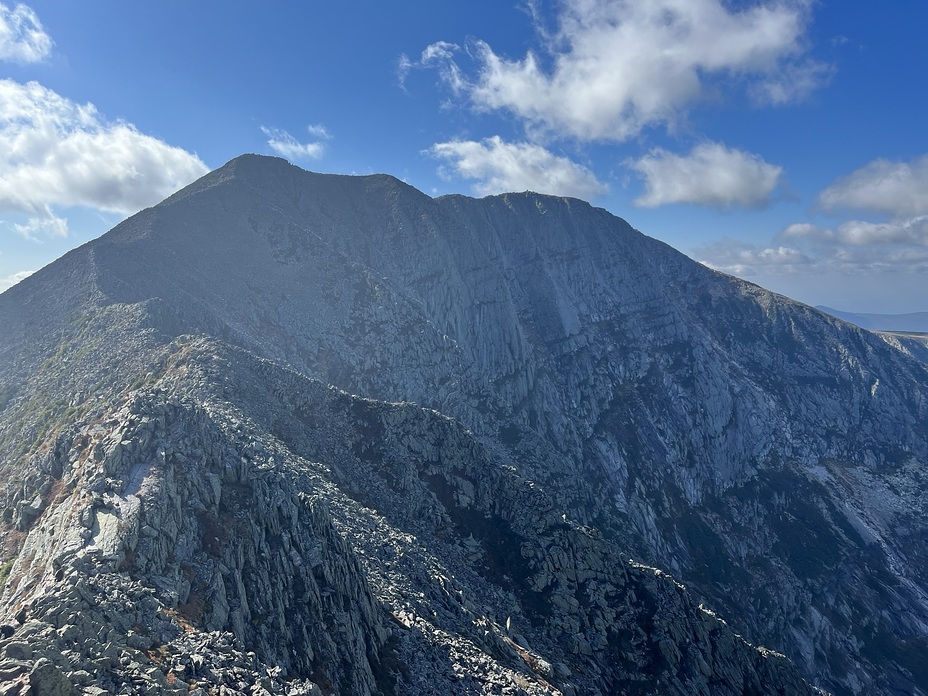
point(526, 394)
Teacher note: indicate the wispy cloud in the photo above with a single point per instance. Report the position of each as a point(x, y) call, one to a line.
point(793, 82)
point(498, 166)
point(711, 175)
point(22, 37)
point(317, 130)
point(285, 145)
point(56, 152)
point(616, 66)
point(45, 226)
point(439, 55)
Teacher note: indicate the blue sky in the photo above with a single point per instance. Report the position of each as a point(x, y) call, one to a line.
point(779, 140)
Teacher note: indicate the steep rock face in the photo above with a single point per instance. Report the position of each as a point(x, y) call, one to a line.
point(915, 345)
point(762, 452)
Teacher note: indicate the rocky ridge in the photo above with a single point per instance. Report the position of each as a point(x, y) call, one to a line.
point(353, 546)
point(618, 398)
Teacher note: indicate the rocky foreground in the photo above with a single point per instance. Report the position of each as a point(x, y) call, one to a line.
point(355, 546)
point(291, 433)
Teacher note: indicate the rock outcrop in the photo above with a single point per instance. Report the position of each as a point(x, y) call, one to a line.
point(268, 534)
point(526, 394)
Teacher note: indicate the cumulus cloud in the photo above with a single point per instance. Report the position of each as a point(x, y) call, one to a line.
point(498, 166)
point(56, 152)
point(895, 247)
point(711, 174)
point(894, 191)
point(22, 37)
point(613, 67)
point(11, 280)
point(882, 186)
point(285, 145)
point(739, 258)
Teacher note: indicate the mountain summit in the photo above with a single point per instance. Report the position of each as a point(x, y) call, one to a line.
point(292, 432)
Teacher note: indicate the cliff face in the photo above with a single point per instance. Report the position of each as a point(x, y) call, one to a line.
point(581, 395)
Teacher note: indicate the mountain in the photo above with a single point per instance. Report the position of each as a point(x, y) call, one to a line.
point(324, 433)
point(914, 322)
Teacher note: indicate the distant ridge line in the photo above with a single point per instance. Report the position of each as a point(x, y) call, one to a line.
point(912, 322)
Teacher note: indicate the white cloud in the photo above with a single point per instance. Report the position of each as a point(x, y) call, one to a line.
point(805, 230)
point(11, 280)
point(58, 152)
point(616, 66)
point(711, 174)
point(498, 166)
point(859, 256)
point(738, 258)
point(896, 245)
point(49, 225)
point(860, 246)
point(285, 145)
point(820, 260)
point(792, 83)
point(885, 259)
point(22, 38)
point(909, 231)
point(861, 233)
point(317, 130)
point(439, 55)
point(882, 186)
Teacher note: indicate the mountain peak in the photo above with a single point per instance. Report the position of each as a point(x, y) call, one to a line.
point(262, 167)
point(379, 440)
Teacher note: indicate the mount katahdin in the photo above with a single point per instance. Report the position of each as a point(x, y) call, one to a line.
point(299, 433)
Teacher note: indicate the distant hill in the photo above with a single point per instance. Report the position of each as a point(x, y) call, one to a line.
point(913, 322)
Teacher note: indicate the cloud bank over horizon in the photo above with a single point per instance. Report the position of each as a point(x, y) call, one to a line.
point(894, 240)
